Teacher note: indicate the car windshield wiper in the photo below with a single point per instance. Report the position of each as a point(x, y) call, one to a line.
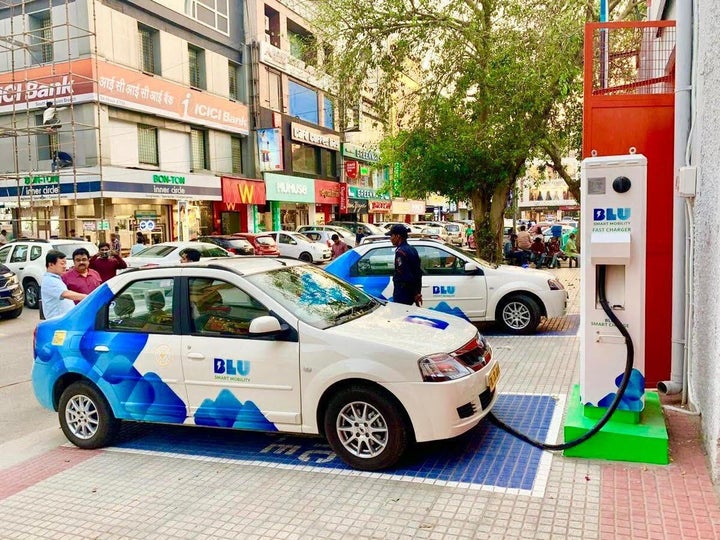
point(356, 309)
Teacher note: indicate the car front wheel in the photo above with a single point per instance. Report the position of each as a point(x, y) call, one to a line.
point(32, 294)
point(519, 314)
point(305, 257)
point(85, 416)
point(365, 428)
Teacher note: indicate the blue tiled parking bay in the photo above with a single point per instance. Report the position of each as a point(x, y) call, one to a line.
point(485, 456)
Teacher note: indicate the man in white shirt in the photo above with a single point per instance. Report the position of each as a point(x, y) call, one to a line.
point(56, 298)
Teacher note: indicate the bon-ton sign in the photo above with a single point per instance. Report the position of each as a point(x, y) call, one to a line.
point(68, 82)
point(315, 137)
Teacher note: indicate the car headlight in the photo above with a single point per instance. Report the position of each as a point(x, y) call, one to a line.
point(555, 285)
point(441, 367)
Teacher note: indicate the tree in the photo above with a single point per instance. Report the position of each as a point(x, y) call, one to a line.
point(490, 80)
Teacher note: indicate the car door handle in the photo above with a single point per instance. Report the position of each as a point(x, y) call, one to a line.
point(196, 356)
point(102, 348)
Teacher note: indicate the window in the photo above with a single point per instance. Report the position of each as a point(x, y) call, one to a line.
point(35, 252)
point(303, 44)
point(236, 149)
point(234, 78)
point(41, 37)
point(435, 261)
point(272, 26)
point(144, 306)
point(198, 142)
point(328, 113)
point(148, 145)
point(274, 91)
point(149, 49)
point(304, 158)
point(47, 142)
point(221, 309)
point(213, 13)
point(196, 66)
point(20, 254)
point(328, 162)
point(376, 262)
point(303, 102)
point(4, 252)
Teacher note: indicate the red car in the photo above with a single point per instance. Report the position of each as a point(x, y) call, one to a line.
point(264, 244)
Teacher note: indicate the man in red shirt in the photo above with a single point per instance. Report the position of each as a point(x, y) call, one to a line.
point(80, 278)
point(107, 262)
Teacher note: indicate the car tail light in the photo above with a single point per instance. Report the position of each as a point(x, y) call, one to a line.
point(441, 367)
point(232, 250)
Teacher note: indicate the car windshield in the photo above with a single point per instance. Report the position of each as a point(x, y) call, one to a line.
point(156, 251)
point(314, 296)
point(68, 249)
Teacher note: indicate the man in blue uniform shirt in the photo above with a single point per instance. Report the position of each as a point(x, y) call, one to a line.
point(407, 279)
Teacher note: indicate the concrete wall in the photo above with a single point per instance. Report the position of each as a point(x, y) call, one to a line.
point(705, 334)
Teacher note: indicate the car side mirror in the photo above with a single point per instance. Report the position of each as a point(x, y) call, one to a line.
point(471, 268)
point(266, 324)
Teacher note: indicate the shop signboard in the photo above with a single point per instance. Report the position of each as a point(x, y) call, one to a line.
point(343, 198)
point(379, 207)
point(327, 192)
point(351, 169)
point(67, 82)
point(270, 155)
point(236, 191)
point(357, 206)
point(281, 187)
point(357, 192)
point(40, 187)
point(358, 152)
point(305, 134)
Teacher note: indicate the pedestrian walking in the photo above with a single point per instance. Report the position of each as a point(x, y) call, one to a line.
point(107, 262)
point(3, 237)
point(139, 244)
point(56, 298)
point(407, 279)
point(337, 248)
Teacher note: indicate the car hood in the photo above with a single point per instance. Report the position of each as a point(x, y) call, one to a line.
point(422, 331)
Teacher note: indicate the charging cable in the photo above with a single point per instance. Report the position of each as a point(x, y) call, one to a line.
point(600, 287)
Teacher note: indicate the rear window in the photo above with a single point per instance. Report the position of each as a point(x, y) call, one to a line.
point(265, 240)
point(212, 252)
point(68, 249)
point(239, 244)
point(156, 251)
point(452, 227)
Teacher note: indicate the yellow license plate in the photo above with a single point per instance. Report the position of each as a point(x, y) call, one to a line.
point(493, 376)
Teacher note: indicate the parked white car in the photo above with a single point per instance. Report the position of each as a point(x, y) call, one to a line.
point(298, 246)
point(458, 283)
point(264, 344)
point(26, 257)
point(168, 253)
point(325, 236)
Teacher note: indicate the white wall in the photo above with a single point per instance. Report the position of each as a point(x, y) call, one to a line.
point(174, 148)
point(124, 143)
point(705, 334)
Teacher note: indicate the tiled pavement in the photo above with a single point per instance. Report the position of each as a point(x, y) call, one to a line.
point(115, 493)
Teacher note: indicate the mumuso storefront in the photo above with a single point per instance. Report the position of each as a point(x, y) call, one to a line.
point(290, 202)
point(238, 210)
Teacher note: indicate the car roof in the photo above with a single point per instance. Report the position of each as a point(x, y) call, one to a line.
point(240, 265)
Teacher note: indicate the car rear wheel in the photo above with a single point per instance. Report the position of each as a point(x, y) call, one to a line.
point(365, 428)
point(85, 416)
point(32, 293)
point(519, 314)
point(306, 257)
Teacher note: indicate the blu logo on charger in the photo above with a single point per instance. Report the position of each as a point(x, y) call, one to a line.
point(611, 214)
point(232, 367)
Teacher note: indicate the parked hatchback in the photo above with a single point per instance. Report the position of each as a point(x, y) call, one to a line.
point(233, 244)
point(266, 345)
point(263, 243)
point(26, 257)
point(298, 246)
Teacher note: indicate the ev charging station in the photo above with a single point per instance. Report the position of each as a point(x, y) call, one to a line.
point(613, 292)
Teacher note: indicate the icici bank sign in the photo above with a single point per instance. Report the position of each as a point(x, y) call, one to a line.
point(22, 92)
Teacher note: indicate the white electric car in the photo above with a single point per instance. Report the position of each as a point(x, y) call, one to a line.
point(265, 344)
point(458, 283)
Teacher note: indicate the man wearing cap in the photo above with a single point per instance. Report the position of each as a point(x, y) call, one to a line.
point(407, 279)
